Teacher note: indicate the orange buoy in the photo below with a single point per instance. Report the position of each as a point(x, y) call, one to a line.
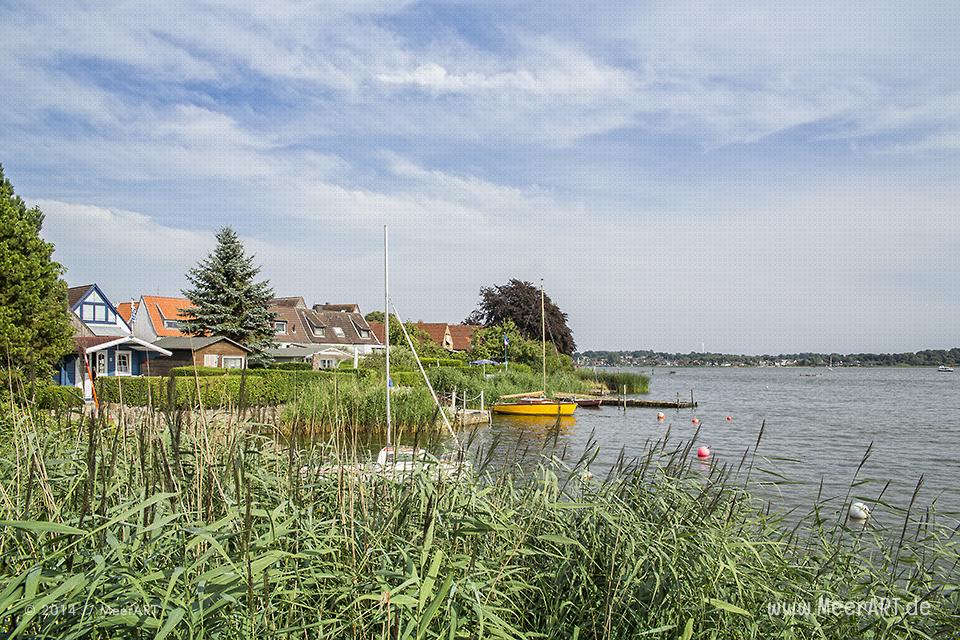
point(703, 453)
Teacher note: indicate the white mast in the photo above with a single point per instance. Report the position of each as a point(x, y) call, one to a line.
point(543, 336)
point(386, 319)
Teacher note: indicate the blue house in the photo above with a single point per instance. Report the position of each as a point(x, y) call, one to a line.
point(104, 343)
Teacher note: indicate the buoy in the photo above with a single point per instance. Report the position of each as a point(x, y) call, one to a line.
point(695, 421)
point(859, 511)
point(660, 416)
point(703, 453)
point(729, 418)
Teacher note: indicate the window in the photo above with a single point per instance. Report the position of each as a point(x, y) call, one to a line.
point(327, 364)
point(280, 327)
point(96, 312)
point(319, 332)
point(337, 331)
point(101, 365)
point(365, 334)
point(211, 360)
point(172, 324)
point(232, 362)
point(123, 363)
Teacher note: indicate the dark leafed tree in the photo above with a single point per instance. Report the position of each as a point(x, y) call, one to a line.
point(228, 300)
point(34, 329)
point(519, 301)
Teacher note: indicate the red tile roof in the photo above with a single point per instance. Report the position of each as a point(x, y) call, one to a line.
point(377, 328)
point(160, 308)
point(125, 310)
point(462, 335)
point(436, 330)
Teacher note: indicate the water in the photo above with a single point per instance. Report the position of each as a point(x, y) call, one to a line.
point(824, 420)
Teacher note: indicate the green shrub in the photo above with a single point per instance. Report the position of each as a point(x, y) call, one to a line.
point(59, 398)
point(407, 378)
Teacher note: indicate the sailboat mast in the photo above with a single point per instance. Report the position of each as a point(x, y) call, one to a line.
point(386, 319)
point(543, 335)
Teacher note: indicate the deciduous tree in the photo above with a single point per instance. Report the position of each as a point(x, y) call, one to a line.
point(519, 302)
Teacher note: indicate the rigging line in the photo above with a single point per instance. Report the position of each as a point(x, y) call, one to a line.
point(443, 413)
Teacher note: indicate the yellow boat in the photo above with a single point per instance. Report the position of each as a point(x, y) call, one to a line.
point(533, 404)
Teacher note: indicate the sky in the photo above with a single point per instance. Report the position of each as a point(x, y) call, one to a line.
point(753, 177)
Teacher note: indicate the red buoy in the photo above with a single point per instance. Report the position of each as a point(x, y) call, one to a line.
point(695, 421)
point(703, 453)
point(729, 418)
point(660, 416)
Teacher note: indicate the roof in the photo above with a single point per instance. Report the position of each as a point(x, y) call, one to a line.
point(161, 308)
point(306, 351)
point(345, 308)
point(462, 335)
point(378, 330)
point(193, 343)
point(301, 322)
point(125, 309)
point(75, 294)
point(97, 343)
point(436, 330)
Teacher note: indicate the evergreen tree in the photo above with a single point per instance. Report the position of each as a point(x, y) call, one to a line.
point(228, 301)
point(34, 327)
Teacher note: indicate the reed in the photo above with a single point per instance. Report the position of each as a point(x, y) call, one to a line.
point(617, 380)
point(173, 525)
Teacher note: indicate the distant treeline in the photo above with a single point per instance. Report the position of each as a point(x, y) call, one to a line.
point(928, 358)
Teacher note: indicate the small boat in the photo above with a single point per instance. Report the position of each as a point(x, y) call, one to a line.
point(945, 369)
point(533, 404)
point(581, 401)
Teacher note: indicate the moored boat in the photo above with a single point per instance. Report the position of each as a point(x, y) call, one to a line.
point(945, 369)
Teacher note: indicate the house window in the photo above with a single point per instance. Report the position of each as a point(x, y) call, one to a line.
point(94, 312)
point(365, 334)
point(101, 366)
point(327, 364)
point(232, 362)
point(280, 327)
point(123, 363)
point(172, 324)
point(337, 331)
point(319, 332)
point(211, 360)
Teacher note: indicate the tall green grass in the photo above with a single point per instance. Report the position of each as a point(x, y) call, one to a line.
point(176, 527)
point(617, 380)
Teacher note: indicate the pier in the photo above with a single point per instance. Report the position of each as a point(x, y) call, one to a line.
point(622, 401)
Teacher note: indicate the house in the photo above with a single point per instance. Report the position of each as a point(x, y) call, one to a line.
point(206, 351)
point(462, 336)
point(155, 317)
point(439, 333)
point(96, 312)
point(103, 342)
point(324, 334)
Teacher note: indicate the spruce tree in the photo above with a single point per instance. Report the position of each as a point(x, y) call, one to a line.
point(228, 301)
point(34, 328)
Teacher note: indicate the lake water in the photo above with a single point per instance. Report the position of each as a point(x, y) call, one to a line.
point(824, 419)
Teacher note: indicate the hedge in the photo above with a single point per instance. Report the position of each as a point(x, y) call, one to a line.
point(262, 387)
point(407, 378)
point(59, 398)
point(292, 366)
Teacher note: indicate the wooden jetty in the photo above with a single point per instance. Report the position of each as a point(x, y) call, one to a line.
point(651, 404)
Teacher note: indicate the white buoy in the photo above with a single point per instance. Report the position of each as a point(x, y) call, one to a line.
point(859, 511)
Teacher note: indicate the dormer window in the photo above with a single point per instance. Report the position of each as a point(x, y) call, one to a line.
point(365, 334)
point(319, 332)
point(280, 327)
point(338, 331)
point(172, 324)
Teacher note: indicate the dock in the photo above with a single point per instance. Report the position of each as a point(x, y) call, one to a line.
point(620, 401)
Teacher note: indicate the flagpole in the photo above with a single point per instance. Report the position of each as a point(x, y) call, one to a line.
point(386, 320)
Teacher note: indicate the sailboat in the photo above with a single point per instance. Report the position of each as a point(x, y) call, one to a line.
point(395, 460)
point(536, 403)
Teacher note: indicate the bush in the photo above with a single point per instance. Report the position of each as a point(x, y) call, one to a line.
point(407, 378)
point(57, 398)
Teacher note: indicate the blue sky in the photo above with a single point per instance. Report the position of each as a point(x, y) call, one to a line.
point(756, 176)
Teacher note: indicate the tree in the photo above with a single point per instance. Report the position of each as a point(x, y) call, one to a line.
point(520, 302)
point(228, 301)
point(34, 328)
